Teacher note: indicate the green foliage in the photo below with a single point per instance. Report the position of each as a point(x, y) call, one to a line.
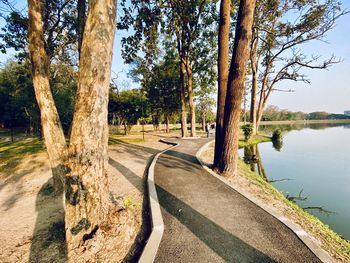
point(247, 131)
point(59, 21)
point(18, 106)
point(129, 202)
point(126, 107)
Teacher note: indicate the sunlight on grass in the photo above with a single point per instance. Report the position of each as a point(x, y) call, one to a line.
point(11, 153)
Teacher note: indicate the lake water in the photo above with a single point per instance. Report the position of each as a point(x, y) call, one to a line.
point(314, 165)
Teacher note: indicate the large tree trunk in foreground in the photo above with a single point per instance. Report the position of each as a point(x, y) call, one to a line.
point(223, 56)
point(87, 193)
point(228, 162)
point(190, 98)
point(53, 133)
point(184, 131)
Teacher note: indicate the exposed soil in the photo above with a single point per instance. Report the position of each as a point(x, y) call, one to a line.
point(32, 218)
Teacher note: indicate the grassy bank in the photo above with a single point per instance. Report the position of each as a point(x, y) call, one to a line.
point(256, 186)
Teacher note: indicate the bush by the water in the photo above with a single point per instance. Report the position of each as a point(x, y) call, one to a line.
point(247, 131)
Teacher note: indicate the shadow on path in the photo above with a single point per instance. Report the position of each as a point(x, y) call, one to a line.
point(136, 249)
point(48, 240)
point(214, 236)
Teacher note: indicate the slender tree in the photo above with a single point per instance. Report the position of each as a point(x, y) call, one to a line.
point(223, 55)
point(51, 125)
point(277, 42)
point(228, 162)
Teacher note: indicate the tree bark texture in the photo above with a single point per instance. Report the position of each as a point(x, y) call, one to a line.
point(190, 97)
point(87, 193)
point(223, 57)
point(184, 132)
point(228, 162)
point(51, 125)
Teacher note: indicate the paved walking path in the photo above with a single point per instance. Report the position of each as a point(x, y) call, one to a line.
point(206, 221)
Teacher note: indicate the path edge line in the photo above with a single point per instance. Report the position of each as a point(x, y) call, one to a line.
point(296, 229)
point(151, 248)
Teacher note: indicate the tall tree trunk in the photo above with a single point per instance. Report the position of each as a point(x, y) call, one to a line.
point(254, 64)
point(51, 125)
point(262, 101)
point(203, 121)
point(87, 195)
point(81, 19)
point(228, 162)
point(254, 68)
point(167, 124)
point(190, 97)
point(184, 132)
point(223, 56)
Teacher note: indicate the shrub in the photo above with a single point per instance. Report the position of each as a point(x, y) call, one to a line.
point(247, 131)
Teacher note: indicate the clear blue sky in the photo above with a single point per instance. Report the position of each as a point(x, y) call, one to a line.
point(329, 90)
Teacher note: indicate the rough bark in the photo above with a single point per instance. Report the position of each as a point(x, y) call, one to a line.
point(87, 195)
point(223, 55)
point(190, 98)
point(235, 88)
point(53, 133)
point(184, 132)
point(81, 19)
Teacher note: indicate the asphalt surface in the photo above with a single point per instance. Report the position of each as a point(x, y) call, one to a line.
point(206, 221)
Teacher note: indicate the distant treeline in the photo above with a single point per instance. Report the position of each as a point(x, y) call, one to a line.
point(273, 113)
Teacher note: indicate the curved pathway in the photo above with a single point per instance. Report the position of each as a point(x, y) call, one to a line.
point(207, 221)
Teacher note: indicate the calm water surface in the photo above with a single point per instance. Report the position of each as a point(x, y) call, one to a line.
point(314, 164)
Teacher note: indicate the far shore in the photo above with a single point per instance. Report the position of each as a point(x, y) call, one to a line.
point(302, 122)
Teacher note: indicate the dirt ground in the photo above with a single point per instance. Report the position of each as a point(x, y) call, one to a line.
point(32, 219)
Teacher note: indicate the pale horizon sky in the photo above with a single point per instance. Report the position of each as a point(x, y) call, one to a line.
point(329, 89)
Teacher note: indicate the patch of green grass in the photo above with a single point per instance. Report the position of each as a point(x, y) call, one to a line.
point(255, 139)
point(12, 152)
point(114, 139)
point(332, 242)
point(129, 202)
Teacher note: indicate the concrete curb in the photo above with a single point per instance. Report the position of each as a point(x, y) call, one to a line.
point(151, 248)
point(298, 231)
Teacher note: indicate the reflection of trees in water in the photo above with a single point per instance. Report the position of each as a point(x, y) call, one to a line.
point(252, 157)
point(277, 144)
point(301, 126)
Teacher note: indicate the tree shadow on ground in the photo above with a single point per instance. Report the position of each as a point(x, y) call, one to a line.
point(136, 249)
point(223, 243)
point(48, 240)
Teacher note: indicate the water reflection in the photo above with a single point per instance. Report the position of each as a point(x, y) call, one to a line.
point(312, 168)
point(253, 159)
